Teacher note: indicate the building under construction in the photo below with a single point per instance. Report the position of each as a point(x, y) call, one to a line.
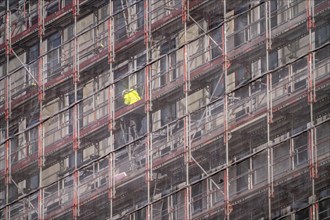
point(230, 120)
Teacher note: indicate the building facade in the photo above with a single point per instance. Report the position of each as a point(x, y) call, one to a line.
point(165, 109)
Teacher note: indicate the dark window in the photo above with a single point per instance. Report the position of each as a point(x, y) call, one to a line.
point(299, 65)
point(279, 75)
point(53, 57)
point(2, 130)
point(14, 143)
point(141, 214)
point(33, 53)
point(273, 60)
point(302, 214)
point(216, 36)
point(281, 161)
point(140, 82)
point(243, 75)
point(163, 71)
point(243, 92)
point(262, 18)
point(322, 54)
point(54, 41)
point(103, 12)
point(164, 210)
point(322, 35)
point(72, 96)
point(66, 2)
point(297, 68)
point(197, 197)
point(32, 140)
point(168, 63)
point(52, 8)
point(301, 151)
point(258, 85)
point(14, 149)
point(318, 2)
point(217, 88)
point(141, 61)
point(273, 8)
point(140, 14)
point(120, 72)
point(168, 113)
point(242, 177)
point(34, 19)
point(240, 24)
point(295, 8)
point(32, 56)
point(70, 32)
point(80, 109)
point(258, 67)
point(72, 159)
point(34, 182)
point(120, 20)
point(13, 192)
point(324, 209)
point(32, 133)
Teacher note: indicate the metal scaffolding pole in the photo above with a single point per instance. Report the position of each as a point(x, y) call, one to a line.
point(186, 77)
point(75, 115)
point(111, 191)
point(311, 100)
point(147, 97)
point(111, 108)
point(226, 65)
point(41, 22)
point(7, 110)
point(40, 99)
point(228, 207)
point(269, 111)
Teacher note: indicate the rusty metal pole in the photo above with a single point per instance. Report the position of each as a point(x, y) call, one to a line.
point(147, 97)
point(7, 109)
point(40, 99)
point(186, 77)
point(269, 110)
point(75, 115)
point(312, 147)
point(111, 109)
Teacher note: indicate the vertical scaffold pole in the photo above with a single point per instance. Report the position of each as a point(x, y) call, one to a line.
point(310, 57)
point(269, 110)
point(228, 206)
point(147, 95)
point(111, 51)
point(310, 14)
point(187, 148)
point(75, 11)
point(312, 147)
point(40, 100)
point(40, 17)
point(111, 109)
point(313, 171)
point(75, 121)
point(7, 108)
point(111, 190)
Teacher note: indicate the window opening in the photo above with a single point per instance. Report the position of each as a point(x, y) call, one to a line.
point(53, 57)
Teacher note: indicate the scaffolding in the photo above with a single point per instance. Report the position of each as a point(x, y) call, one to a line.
point(232, 119)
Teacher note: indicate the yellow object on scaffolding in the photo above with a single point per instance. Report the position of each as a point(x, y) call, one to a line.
point(130, 96)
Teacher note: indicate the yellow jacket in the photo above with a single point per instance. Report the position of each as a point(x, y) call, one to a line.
point(131, 96)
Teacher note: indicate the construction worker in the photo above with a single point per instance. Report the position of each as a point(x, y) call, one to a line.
point(132, 120)
point(130, 96)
